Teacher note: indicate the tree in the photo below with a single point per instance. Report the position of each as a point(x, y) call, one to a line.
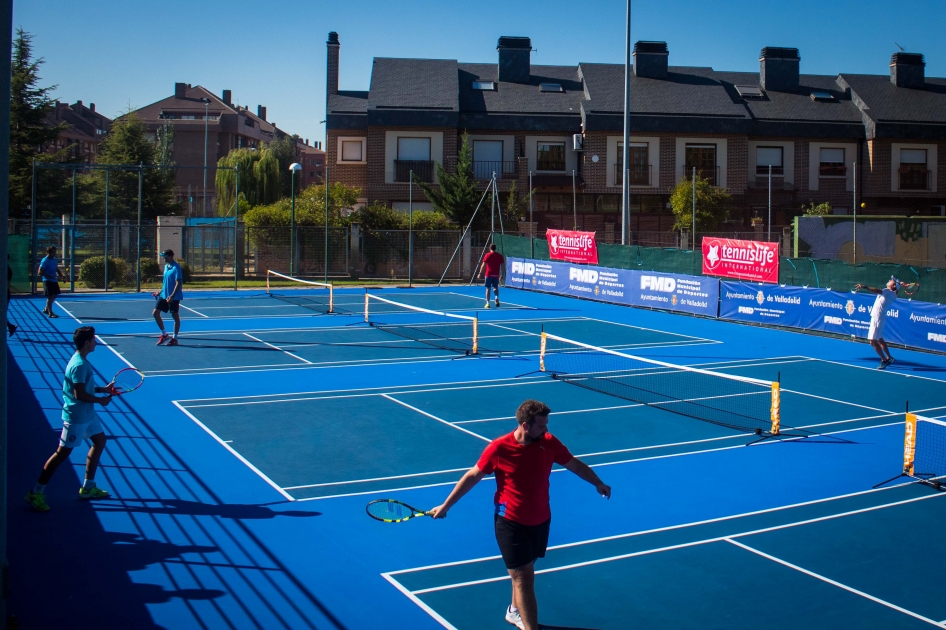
point(711, 208)
point(817, 209)
point(284, 149)
point(456, 196)
point(259, 178)
point(30, 109)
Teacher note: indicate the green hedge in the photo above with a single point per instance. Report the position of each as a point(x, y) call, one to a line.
point(92, 272)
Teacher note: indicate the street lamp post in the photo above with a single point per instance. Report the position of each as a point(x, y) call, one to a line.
point(295, 166)
point(206, 131)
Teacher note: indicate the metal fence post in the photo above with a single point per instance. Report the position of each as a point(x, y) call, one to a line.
point(106, 229)
point(140, 192)
point(410, 226)
point(694, 208)
point(33, 261)
point(326, 221)
point(237, 250)
point(72, 238)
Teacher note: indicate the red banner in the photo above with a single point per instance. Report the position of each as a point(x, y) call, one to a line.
point(579, 247)
point(746, 260)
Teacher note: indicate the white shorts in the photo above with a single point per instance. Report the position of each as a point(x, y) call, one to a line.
point(876, 330)
point(73, 434)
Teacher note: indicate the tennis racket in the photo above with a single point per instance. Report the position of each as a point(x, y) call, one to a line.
point(391, 511)
point(125, 381)
point(910, 288)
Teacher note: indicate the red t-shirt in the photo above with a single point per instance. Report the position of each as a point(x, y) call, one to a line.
point(493, 260)
point(522, 476)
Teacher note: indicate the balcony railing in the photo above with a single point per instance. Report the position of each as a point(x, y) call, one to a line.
point(485, 170)
point(639, 175)
point(913, 178)
point(763, 171)
point(710, 174)
point(761, 180)
point(550, 165)
point(423, 169)
point(832, 170)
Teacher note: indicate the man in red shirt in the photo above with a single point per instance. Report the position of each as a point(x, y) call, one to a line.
point(522, 461)
point(492, 263)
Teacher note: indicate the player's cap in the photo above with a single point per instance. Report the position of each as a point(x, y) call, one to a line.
point(167, 252)
point(896, 282)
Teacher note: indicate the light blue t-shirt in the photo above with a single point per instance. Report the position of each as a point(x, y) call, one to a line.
point(172, 275)
point(48, 269)
point(77, 371)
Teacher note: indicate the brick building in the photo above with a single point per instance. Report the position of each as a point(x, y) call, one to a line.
point(312, 160)
point(823, 136)
point(198, 116)
point(87, 128)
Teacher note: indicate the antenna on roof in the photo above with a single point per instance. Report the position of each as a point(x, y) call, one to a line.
point(899, 46)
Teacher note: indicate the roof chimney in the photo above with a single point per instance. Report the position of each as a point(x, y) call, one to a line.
point(515, 62)
point(907, 70)
point(650, 60)
point(78, 105)
point(261, 111)
point(331, 77)
point(227, 97)
point(180, 89)
point(778, 69)
point(92, 107)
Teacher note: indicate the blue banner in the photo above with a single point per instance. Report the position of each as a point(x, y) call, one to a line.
point(667, 291)
point(911, 323)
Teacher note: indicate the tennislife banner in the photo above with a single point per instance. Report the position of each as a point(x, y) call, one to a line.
point(908, 322)
point(744, 260)
point(672, 292)
point(579, 247)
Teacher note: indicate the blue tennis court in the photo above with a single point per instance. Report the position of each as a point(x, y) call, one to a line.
point(239, 472)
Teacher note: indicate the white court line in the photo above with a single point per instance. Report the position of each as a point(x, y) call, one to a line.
point(427, 609)
point(833, 582)
point(59, 304)
point(664, 332)
point(115, 352)
point(875, 370)
point(430, 415)
point(193, 311)
point(681, 545)
point(506, 305)
point(266, 343)
point(835, 400)
point(342, 483)
point(237, 455)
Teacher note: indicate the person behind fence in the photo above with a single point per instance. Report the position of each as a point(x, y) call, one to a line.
point(49, 273)
point(79, 421)
point(168, 299)
point(492, 264)
point(878, 318)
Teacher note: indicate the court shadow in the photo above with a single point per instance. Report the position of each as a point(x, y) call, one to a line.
point(910, 366)
point(196, 508)
point(543, 626)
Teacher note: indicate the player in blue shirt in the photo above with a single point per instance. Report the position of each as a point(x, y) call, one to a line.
point(169, 297)
point(49, 274)
point(79, 421)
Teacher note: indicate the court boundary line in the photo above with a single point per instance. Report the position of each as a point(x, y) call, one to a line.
point(427, 609)
point(275, 347)
point(475, 297)
point(59, 304)
point(433, 417)
point(862, 367)
point(115, 352)
point(194, 311)
point(245, 461)
point(834, 583)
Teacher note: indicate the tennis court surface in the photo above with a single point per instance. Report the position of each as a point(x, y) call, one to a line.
point(742, 460)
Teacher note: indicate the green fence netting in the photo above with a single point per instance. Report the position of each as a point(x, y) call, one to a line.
point(18, 247)
point(808, 272)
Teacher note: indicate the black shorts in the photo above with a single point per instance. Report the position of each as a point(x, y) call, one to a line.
point(51, 289)
point(521, 544)
point(492, 281)
point(166, 306)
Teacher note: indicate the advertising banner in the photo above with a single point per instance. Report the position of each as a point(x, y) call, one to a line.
point(579, 247)
point(744, 260)
point(911, 323)
point(668, 291)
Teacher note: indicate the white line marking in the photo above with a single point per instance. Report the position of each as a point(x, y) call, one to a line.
point(266, 343)
point(875, 370)
point(341, 483)
point(663, 332)
point(832, 582)
point(430, 415)
point(67, 312)
point(235, 454)
point(115, 352)
point(193, 311)
point(386, 490)
point(835, 400)
point(427, 609)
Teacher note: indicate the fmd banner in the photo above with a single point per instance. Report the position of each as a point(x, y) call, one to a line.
point(672, 292)
point(911, 323)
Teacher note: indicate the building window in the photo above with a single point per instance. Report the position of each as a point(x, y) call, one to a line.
point(550, 156)
point(702, 157)
point(550, 87)
point(766, 157)
point(639, 165)
point(188, 117)
point(413, 154)
point(484, 85)
point(913, 172)
point(832, 163)
point(352, 151)
point(488, 159)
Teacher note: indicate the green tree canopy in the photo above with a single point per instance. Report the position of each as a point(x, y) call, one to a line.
point(455, 195)
point(310, 207)
point(711, 205)
point(284, 149)
point(258, 177)
point(817, 209)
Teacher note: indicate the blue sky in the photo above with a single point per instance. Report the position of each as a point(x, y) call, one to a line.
point(117, 54)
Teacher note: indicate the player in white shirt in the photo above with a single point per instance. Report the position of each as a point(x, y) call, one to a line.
point(878, 318)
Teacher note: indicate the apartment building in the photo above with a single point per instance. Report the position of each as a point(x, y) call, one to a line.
point(843, 139)
point(87, 128)
point(312, 160)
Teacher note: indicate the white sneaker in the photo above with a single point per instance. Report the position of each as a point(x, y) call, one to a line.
point(514, 618)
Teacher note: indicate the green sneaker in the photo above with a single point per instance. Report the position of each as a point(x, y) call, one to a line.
point(38, 501)
point(92, 493)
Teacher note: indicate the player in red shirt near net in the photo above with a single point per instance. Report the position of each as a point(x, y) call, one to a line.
point(492, 263)
point(522, 461)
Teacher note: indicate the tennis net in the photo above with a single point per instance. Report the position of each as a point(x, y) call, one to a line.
point(309, 294)
point(447, 331)
point(736, 402)
point(924, 450)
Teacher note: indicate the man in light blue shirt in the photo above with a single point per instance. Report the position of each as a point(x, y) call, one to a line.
point(169, 297)
point(79, 421)
point(49, 274)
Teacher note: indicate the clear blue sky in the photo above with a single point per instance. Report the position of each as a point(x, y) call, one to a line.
point(117, 54)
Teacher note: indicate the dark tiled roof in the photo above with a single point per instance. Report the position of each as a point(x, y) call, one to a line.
point(794, 106)
point(191, 103)
point(517, 98)
point(348, 102)
point(414, 84)
point(887, 103)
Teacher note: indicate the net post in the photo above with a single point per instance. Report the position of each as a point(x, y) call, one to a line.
point(331, 298)
point(476, 334)
point(366, 306)
point(909, 443)
point(267, 283)
point(776, 413)
point(542, 347)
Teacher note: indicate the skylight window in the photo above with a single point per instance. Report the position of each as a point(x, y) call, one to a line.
point(550, 87)
point(484, 85)
point(821, 95)
point(749, 91)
